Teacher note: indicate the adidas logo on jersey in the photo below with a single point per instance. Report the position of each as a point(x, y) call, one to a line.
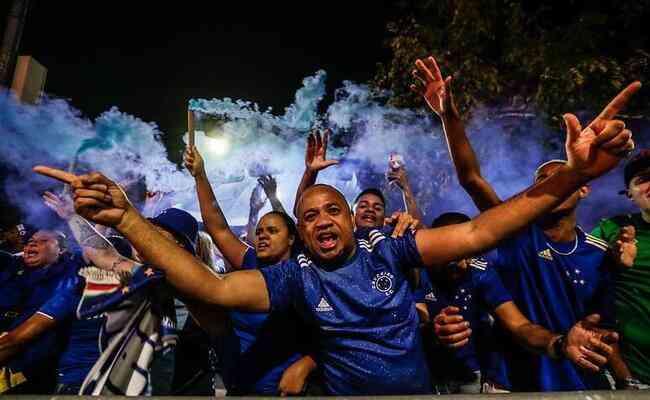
point(323, 305)
point(430, 296)
point(546, 254)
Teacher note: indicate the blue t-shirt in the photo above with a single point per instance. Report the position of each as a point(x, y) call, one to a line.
point(477, 293)
point(369, 341)
point(555, 285)
point(46, 291)
point(259, 347)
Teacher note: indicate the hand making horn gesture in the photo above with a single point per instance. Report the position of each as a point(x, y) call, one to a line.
point(96, 197)
point(597, 148)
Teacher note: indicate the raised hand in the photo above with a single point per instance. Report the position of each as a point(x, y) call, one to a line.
point(193, 161)
point(401, 222)
point(62, 206)
point(257, 199)
point(397, 177)
point(316, 154)
point(588, 346)
point(435, 90)
point(624, 250)
point(600, 146)
point(450, 328)
point(269, 185)
point(96, 197)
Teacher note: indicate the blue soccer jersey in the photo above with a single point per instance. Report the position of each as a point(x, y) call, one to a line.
point(259, 347)
point(554, 285)
point(46, 291)
point(478, 292)
point(369, 341)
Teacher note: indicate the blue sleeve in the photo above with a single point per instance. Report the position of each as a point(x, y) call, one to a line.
point(284, 283)
point(250, 259)
point(65, 300)
point(492, 291)
point(405, 250)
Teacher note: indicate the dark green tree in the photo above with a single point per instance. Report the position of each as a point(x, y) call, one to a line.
point(524, 59)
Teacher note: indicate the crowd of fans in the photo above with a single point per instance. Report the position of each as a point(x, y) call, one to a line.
point(338, 299)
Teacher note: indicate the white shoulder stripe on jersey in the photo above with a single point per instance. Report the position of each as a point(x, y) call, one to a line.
point(596, 239)
point(478, 266)
point(368, 248)
point(377, 240)
point(303, 260)
point(600, 246)
point(375, 233)
point(600, 242)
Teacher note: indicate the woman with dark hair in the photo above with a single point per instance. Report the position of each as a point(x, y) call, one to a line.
point(262, 353)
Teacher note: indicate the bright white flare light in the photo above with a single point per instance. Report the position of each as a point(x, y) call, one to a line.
point(218, 146)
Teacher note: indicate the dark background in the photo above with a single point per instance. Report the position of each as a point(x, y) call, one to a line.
point(149, 58)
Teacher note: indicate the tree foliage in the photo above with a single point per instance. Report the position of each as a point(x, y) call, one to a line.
point(523, 57)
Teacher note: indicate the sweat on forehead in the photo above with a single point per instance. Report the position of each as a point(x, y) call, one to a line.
point(320, 187)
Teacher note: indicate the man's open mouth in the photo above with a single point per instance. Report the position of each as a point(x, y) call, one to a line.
point(327, 240)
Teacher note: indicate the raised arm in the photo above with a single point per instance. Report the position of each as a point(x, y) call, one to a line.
point(315, 160)
point(399, 177)
point(256, 204)
point(101, 200)
point(213, 218)
point(96, 248)
point(439, 97)
point(270, 186)
point(591, 152)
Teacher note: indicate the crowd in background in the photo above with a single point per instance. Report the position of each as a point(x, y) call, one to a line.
point(337, 297)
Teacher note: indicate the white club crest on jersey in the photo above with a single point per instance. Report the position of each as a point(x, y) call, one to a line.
point(384, 283)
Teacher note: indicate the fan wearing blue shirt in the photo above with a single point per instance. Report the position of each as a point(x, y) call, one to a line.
point(460, 297)
point(29, 350)
point(262, 353)
point(557, 274)
point(355, 292)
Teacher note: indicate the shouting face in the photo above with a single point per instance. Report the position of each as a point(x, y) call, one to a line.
point(41, 249)
point(325, 224)
point(272, 239)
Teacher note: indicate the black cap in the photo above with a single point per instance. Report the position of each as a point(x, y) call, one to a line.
point(637, 164)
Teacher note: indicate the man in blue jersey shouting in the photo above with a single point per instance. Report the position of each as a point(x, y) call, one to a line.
point(356, 291)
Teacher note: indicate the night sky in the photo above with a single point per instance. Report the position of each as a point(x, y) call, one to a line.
point(150, 59)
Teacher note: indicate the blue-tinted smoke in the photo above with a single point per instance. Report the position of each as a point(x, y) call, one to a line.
point(240, 142)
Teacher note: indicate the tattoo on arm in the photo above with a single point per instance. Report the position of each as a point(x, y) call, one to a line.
point(86, 235)
point(123, 269)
